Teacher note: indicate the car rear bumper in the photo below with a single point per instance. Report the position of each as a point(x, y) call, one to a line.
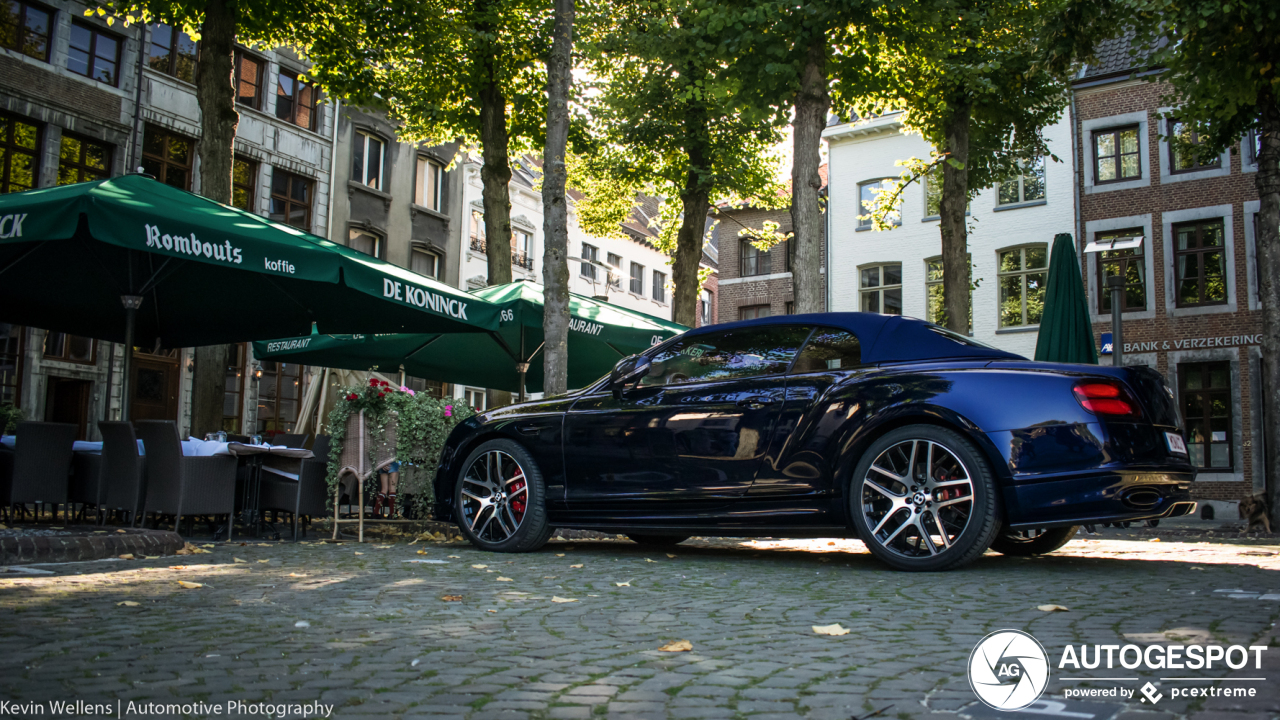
point(1100, 498)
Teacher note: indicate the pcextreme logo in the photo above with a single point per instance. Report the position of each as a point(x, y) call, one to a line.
point(1008, 670)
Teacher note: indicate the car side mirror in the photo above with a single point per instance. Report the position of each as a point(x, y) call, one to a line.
point(628, 370)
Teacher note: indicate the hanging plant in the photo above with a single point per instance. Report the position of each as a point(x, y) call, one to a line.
point(423, 423)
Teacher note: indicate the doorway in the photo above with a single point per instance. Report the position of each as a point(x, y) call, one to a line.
point(67, 401)
point(155, 387)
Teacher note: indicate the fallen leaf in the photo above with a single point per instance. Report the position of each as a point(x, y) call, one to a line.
point(359, 553)
point(1052, 608)
point(479, 567)
point(491, 611)
point(504, 579)
point(833, 630)
point(239, 561)
point(382, 547)
point(264, 561)
point(575, 566)
point(208, 546)
point(648, 560)
point(559, 554)
point(264, 544)
point(548, 577)
point(120, 531)
point(126, 556)
point(1154, 540)
point(456, 557)
point(128, 603)
point(424, 552)
point(302, 624)
point(190, 585)
point(177, 567)
point(670, 555)
point(623, 584)
point(452, 598)
point(677, 646)
point(296, 575)
point(558, 599)
point(1198, 568)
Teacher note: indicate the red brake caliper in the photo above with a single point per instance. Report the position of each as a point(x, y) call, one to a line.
point(518, 504)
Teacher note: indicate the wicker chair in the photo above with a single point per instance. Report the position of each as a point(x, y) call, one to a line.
point(178, 485)
point(355, 461)
point(41, 465)
point(123, 486)
point(303, 494)
point(290, 440)
point(85, 485)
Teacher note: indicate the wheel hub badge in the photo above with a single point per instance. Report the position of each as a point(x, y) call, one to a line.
point(918, 498)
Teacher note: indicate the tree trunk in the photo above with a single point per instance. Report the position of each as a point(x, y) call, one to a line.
point(955, 199)
point(695, 200)
point(1268, 241)
point(215, 93)
point(494, 176)
point(208, 388)
point(812, 103)
point(555, 210)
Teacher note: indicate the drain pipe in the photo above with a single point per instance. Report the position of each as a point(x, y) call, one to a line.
point(333, 168)
point(134, 157)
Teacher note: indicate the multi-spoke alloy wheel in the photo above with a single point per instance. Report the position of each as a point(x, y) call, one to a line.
point(923, 499)
point(499, 497)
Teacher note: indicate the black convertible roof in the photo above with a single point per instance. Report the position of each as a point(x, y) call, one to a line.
point(884, 338)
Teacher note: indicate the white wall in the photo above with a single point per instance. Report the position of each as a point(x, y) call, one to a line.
point(867, 151)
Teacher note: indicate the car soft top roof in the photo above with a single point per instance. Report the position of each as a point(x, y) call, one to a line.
point(884, 338)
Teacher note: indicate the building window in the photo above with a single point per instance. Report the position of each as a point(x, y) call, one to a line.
point(637, 279)
point(590, 256)
point(233, 391)
point(244, 177)
point(425, 262)
point(1187, 160)
point(615, 273)
point(19, 150)
point(250, 74)
point(707, 302)
point(932, 182)
point(791, 307)
point(290, 199)
point(476, 398)
point(867, 193)
point(659, 286)
point(81, 160)
point(754, 260)
point(93, 53)
point(751, 312)
point(1200, 262)
point(167, 157)
point(26, 28)
point(430, 175)
point(882, 289)
point(173, 52)
point(1205, 392)
point(1255, 146)
point(477, 232)
point(788, 255)
point(522, 249)
point(366, 166)
point(1116, 155)
point(432, 388)
point(1027, 187)
point(296, 100)
point(278, 391)
point(71, 348)
point(1128, 264)
point(10, 363)
point(365, 241)
point(1022, 285)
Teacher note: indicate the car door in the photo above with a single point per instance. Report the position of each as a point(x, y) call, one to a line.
point(797, 461)
point(691, 433)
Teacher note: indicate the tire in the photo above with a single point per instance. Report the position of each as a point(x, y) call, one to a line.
point(487, 523)
point(898, 509)
point(658, 540)
point(1017, 543)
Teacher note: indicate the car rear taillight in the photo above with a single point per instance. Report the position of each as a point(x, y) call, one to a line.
point(1104, 398)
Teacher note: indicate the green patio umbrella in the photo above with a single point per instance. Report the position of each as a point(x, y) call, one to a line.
point(600, 334)
point(132, 260)
point(1066, 333)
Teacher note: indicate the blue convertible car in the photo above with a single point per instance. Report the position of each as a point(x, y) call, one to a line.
point(928, 446)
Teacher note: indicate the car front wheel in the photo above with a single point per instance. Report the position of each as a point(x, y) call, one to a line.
point(924, 499)
point(501, 500)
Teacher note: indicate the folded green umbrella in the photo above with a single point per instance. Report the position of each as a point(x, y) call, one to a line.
point(600, 334)
point(1066, 333)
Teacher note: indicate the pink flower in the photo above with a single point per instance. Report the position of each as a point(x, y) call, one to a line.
point(405, 389)
point(448, 411)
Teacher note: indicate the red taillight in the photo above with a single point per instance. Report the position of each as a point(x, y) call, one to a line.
point(1101, 398)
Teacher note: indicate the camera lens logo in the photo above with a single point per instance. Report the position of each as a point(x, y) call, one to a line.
point(1008, 670)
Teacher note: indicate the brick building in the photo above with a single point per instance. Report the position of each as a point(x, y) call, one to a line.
point(1191, 306)
point(752, 283)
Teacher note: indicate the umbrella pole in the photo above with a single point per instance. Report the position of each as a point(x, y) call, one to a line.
point(522, 368)
point(131, 305)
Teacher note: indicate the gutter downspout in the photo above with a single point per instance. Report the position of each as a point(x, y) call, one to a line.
point(333, 168)
point(1076, 180)
point(134, 157)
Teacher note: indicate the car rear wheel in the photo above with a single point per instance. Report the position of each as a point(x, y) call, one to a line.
point(1022, 543)
point(658, 540)
point(924, 499)
point(501, 499)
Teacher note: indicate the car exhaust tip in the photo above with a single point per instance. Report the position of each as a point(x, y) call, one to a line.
point(1142, 498)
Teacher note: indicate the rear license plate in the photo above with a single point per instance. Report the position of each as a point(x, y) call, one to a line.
point(1175, 442)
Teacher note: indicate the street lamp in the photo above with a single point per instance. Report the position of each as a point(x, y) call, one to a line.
point(1115, 284)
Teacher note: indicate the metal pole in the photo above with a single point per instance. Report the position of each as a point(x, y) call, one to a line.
point(131, 305)
point(522, 368)
point(1116, 283)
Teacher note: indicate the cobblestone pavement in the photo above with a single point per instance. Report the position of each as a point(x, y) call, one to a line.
point(361, 627)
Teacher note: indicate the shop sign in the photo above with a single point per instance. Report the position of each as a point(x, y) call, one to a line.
point(1185, 344)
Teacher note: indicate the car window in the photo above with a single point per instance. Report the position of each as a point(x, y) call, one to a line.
point(727, 355)
point(829, 349)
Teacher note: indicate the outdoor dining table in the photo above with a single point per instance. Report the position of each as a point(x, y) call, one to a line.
point(252, 457)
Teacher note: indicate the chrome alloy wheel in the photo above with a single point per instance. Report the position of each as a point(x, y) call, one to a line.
point(918, 498)
point(495, 496)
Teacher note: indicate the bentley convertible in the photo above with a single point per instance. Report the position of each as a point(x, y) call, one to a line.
point(928, 446)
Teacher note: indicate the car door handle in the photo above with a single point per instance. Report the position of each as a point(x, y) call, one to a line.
point(756, 402)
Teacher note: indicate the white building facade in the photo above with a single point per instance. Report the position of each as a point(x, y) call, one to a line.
point(1011, 231)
